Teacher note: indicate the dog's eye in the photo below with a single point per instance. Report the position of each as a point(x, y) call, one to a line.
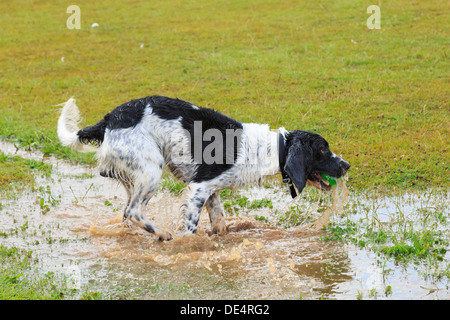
point(323, 150)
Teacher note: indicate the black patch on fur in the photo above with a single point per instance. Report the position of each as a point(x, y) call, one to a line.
point(170, 109)
point(95, 133)
point(124, 116)
point(131, 113)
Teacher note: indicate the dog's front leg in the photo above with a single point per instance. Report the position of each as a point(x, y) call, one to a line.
point(216, 214)
point(196, 196)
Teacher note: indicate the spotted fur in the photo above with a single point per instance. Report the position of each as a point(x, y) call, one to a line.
point(137, 139)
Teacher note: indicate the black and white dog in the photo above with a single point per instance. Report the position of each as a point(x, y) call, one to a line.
point(202, 147)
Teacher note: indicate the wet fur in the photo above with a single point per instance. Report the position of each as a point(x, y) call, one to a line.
point(137, 139)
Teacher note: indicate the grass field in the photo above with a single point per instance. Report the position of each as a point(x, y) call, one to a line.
point(379, 96)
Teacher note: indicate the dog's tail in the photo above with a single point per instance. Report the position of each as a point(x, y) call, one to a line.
point(71, 136)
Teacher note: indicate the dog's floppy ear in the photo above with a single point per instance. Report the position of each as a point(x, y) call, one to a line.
point(295, 167)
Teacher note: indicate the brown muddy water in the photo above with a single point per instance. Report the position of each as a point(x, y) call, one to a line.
point(74, 225)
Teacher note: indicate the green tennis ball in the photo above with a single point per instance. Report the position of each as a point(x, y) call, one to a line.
point(330, 180)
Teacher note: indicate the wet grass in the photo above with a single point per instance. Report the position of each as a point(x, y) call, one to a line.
point(16, 172)
point(417, 235)
point(234, 206)
point(293, 217)
point(19, 282)
point(411, 244)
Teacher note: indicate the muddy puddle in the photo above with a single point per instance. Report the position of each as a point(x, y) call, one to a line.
point(73, 222)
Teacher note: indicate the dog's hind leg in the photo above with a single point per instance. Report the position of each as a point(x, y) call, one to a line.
point(134, 211)
point(129, 189)
point(125, 181)
point(141, 186)
point(216, 214)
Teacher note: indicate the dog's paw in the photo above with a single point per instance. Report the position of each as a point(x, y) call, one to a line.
point(219, 227)
point(165, 236)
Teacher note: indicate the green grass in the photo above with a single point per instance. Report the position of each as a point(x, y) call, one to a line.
point(234, 203)
point(16, 172)
point(20, 281)
point(380, 97)
point(402, 246)
point(171, 184)
point(15, 284)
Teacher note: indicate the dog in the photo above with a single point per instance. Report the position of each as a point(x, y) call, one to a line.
point(204, 148)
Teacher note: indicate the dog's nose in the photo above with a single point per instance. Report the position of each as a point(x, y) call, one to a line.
point(344, 165)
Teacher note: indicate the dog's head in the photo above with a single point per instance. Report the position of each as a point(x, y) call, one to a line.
point(307, 156)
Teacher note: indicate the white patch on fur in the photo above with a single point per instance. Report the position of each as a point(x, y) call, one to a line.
point(258, 158)
point(68, 127)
